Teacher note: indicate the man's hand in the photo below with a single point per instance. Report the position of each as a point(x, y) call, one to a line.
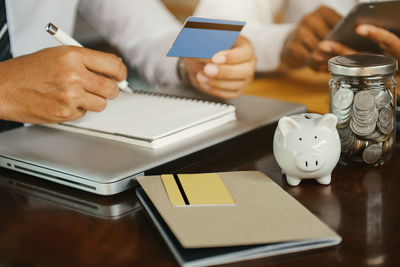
point(304, 40)
point(326, 50)
point(227, 74)
point(58, 84)
point(388, 41)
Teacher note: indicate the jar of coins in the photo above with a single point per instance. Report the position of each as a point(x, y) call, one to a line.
point(362, 96)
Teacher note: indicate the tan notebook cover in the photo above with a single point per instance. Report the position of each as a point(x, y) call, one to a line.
point(264, 213)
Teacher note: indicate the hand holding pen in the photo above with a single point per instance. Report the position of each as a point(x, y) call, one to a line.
point(58, 84)
point(65, 39)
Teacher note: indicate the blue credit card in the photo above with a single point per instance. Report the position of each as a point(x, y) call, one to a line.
point(202, 37)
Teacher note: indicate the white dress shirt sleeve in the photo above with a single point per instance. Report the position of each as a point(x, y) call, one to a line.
point(266, 36)
point(27, 20)
point(143, 31)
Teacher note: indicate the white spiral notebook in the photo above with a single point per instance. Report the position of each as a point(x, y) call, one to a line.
point(151, 120)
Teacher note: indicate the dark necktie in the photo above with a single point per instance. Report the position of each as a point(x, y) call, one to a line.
point(4, 38)
point(5, 53)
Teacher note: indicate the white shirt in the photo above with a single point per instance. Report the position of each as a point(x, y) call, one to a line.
point(266, 36)
point(143, 30)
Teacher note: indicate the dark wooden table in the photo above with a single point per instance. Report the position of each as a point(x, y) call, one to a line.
point(45, 224)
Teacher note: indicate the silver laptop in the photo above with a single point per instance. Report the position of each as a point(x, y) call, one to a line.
point(107, 167)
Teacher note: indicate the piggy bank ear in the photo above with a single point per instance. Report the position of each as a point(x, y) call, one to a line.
point(328, 120)
point(287, 124)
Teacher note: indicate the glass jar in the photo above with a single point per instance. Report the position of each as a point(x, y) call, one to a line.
point(362, 96)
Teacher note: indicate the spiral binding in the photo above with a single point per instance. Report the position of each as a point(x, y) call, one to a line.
point(186, 98)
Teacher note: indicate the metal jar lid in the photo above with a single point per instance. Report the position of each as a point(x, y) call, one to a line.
point(362, 65)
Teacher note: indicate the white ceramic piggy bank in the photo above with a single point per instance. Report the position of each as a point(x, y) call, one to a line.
point(307, 146)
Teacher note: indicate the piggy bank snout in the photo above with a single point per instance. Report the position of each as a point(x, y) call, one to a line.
point(309, 161)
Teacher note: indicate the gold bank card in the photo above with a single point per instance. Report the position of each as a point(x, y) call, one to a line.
point(196, 189)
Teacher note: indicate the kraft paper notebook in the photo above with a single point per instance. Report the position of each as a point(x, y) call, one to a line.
point(264, 221)
point(151, 120)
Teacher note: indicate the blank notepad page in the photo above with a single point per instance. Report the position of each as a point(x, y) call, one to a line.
point(151, 116)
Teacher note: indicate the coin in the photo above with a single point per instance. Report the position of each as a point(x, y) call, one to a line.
point(343, 99)
point(386, 116)
point(344, 132)
point(348, 143)
point(364, 116)
point(371, 83)
point(362, 130)
point(344, 85)
point(365, 120)
point(341, 112)
point(374, 135)
point(382, 99)
point(378, 136)
point(375, 91)
point(372, 154)
point(364, 101)
point(386, 120)
point(343, 120)
point(361, 144)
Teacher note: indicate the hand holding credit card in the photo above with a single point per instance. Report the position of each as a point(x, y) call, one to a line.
point(214, 57)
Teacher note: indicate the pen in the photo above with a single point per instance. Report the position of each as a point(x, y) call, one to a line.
point(65, 39)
